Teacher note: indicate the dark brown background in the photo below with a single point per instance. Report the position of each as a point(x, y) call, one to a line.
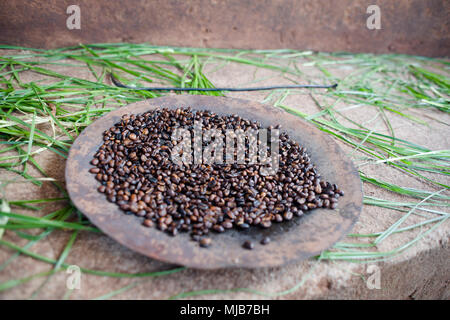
point(408, 26)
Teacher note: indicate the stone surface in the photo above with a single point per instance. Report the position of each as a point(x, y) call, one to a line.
point(421, 272)
point(414, 27)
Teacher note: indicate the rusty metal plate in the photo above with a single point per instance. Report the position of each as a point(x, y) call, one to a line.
point(298, 239)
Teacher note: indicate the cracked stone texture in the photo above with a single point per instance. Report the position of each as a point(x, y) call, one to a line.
point(421, 272)
point(407, 26)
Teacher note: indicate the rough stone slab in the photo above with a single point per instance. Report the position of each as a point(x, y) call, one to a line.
point(422, 272)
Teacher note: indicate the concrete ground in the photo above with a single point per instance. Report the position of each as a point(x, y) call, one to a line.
point(421, 272)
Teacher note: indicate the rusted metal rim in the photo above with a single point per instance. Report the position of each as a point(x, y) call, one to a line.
point(291, 241)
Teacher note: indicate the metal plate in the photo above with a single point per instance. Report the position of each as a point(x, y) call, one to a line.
point(292, 241)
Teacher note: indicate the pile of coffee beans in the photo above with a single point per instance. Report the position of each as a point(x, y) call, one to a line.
point(136, 171)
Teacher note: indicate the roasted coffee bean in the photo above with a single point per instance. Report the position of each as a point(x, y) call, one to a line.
point(205, 242)
point(94, 170)
point(243, 225)
point(135, 170)
point(287, 215)
point(148, 223)
point(248, 245)
point(227, 224)
point(299, 213)
point(266, 224)
point(141, 213)
point(218, 228)
point(132, 136)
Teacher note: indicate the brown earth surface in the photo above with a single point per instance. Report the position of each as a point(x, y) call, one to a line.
point(419, 27)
